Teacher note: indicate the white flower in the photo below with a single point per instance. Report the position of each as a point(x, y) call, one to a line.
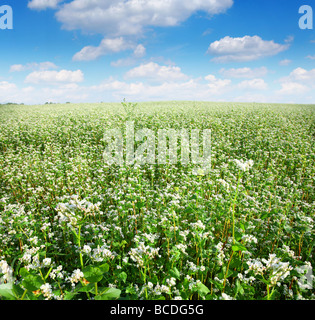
point(171, 282)
point(7, 272)
point(224, 183)
point(256, 266)
point(102, 253)
point(220, 254)
point(227, 297)
point(244, 166)
point(249, 238)
point(46, 290)
point(181, 247)
point(47, 262)
point(86, 249)
point(76, 276)
point(198, 225)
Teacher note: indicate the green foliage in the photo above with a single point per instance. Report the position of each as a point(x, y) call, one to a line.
point(73, 227)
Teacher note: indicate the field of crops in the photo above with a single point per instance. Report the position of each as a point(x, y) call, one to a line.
point(75, 227)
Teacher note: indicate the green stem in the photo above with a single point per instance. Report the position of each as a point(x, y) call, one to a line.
point(24, 293)
point(227, 270)
point(268, 292)
point(79, 244)
point(233, 207)
point(48, 273)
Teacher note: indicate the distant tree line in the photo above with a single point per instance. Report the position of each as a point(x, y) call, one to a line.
point(10, 103)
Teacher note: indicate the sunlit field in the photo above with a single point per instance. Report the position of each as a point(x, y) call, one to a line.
point(75, 227)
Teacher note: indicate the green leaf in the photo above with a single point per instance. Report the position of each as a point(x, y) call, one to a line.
point(88, 288)
point(175, 273)
point(24, 272)
point(239, 288)
point(32, 283)
point(104, 267)
point(140, 204)
point(123, 276)
point(238, 236)
point(202, 289)
point(109, 294)
point(93, 274)
point(188, 210)
point(69, 295)
point(7, 291)
point(241, 225)
point(238, 247)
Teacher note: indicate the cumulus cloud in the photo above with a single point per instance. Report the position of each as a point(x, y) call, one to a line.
point(155, 72)
point(130, 17)
point(55, 77)
point(244, 72)
point(299, 81)
point(8, 91)
point(139, 52)
point(292, 88)
point(215, 85)
point(43, 4)
point(191, 89)
point(107, 46)
point(254, 84)
point(6, 86)
point(33, 66)
point(243, 49)
point(301, 75)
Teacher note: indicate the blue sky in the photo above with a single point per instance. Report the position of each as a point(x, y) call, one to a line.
point(148, 50)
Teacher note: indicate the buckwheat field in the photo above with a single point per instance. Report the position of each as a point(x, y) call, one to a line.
point(75, 227)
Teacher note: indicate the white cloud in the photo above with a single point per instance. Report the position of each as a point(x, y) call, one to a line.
point(292, 88)
point(209, 88)
point(155, 72)
point(244, 72)
point(33, 66)
point(140, 51)
point(216, 86)
point(43, 4)
point(7, 91)
point(247, 48)
point(311, 57)
point(107, 45)
point(130, 17)
point(191, 89)
point(6, 86)
point(125, 62)
point(301, 75)
point(289, 39)
point(285, 62)
point(255, 84)
point(299, 81)
point(54, 77)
